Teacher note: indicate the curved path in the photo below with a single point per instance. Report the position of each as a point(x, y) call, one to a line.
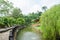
point(5, 32)
point(4, 36)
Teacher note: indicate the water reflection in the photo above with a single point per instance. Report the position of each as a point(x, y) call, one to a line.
point(30, 36)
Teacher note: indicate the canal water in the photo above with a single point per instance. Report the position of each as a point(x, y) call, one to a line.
point(27, 34)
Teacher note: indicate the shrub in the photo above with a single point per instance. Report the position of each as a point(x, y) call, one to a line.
point(50, 23)
point(9, 21)
point(20, 21)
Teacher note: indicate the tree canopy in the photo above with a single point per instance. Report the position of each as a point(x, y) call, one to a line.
point(10, 15)
point(5, 7)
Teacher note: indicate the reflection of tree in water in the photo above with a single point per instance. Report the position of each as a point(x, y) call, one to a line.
point(30, 36)
point(27, 34)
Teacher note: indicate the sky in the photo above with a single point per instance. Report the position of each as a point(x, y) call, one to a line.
point(28, 6)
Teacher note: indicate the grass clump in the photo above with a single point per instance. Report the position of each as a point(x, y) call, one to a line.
point(50, 23)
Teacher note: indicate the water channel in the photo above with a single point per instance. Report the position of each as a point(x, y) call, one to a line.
point(27, 34)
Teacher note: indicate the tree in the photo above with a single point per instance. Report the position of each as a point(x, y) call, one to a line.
point(1, 22)
point(16, 13)
point(36, 15)
point(27, 20)
point(44, 8)
point(39, 13)
point(8, 20)
point(20, 21)
point(5, 7)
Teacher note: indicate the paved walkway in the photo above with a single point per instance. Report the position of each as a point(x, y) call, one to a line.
point(4, 36)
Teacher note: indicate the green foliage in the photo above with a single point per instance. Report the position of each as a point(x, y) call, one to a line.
point(5, 7)
point(50, 23)
point(35, 15)
point(7, 21)
point(44, 8)
point(9, 15)
point(16, 13)
point(20, 21)
point(10, 21)
point(1, 22)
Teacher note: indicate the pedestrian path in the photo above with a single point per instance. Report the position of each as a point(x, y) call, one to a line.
point(4, 36)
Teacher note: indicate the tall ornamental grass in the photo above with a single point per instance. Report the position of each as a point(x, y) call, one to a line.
point(50, 23)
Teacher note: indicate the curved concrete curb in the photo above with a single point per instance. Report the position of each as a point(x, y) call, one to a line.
point(14, 31)
point(6, 29)
point(10, 33)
